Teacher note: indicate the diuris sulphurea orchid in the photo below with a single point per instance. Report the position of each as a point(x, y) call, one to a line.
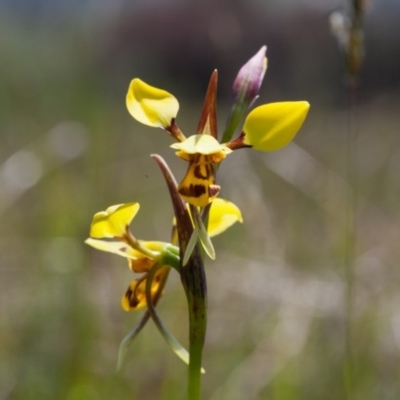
point(199, 213)
point(268, 127)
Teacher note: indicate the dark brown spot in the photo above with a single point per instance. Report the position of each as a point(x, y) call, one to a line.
point(193, 190)
point(201, 171)
point(132, 299)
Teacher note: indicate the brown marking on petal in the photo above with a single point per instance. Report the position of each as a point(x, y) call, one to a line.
point(193, 190)
point(132, 299)
point(202, 171)
point(123, 249)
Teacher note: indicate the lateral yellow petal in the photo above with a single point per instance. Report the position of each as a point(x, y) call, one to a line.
point(115, 247)
point(114, 221)
point(202, 144)
point(223, 214)
point(151, 106)
point(272, 126)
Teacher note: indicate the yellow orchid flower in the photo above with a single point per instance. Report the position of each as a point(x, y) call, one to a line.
point(267, 128)
point(141, 255)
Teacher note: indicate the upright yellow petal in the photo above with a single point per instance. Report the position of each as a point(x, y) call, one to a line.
point(114, 221)
point(272, 126)
point(151, 106)
point(223, 214)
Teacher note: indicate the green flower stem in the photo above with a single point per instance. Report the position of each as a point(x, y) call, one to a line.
point(170, 256)
point(236, 116)
point(194, 281)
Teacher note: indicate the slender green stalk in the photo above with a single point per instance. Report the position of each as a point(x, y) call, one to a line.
point(350, 244)
point(194, 281)
point(236, 116)
point(355, 58)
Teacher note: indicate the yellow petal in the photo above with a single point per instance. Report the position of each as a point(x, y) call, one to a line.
point(151, 106)
point(202, 144)
point(116, 247)
point(272, 126)
point(114, 221)
point(223, 214)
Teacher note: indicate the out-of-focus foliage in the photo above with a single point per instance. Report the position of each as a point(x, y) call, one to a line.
point(277, 289)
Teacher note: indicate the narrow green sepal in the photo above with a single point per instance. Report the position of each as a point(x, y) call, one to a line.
point(236, 116)
point(190, 247)
point(202, 232)
point(172, 342)
point(128, 339)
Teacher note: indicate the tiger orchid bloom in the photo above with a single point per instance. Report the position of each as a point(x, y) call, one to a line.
point(141, 255)
point(268, 127)
point(110, 232)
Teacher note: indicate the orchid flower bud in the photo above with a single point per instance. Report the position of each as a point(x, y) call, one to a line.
point(249, 79)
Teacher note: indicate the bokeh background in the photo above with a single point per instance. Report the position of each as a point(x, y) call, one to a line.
point(278, 289)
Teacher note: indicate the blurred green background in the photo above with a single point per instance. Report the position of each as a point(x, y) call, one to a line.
point(277, 290)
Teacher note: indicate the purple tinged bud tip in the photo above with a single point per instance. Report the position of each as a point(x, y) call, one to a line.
point(249, 79)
